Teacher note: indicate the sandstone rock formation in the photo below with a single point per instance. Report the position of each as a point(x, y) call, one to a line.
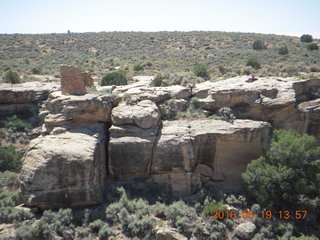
point(16, 98)
point(65, 170)
point(180, 155)
point(144, 114)
point(73, 81)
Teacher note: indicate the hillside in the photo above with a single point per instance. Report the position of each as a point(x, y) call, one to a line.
point(225, 54)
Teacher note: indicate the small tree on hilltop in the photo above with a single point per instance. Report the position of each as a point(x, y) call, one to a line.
point(312, 46)
point(306, 38)
point(114, 78)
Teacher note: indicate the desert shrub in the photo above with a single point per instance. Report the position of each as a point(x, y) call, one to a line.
point(201, 70)
point(239, 202)
point(138, 67)
point(40, 230)
point(10, 160)
point(9, 179)
point(169, 109)
point(253, 62)
point(314, 69)
point(114, 78)
point(157, 81)
point(209, 207)
point(222, 69)
point(58, 221)
point(96, 225)
point(283, 50)
point(159, 210)
point(291, 168)
point(35, 70)
point(11, 77)
point(17, 124)
point(227, 114)
point(9, 214)
point(303, 237)
point(259, 45)
point(312, 46)
point(306, 38)
point(105, 233)
point(24, 232)
point(178, 210)
point(216, 229)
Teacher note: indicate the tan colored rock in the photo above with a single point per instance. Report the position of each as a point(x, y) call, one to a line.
point(65, 170)
point(176, 91)
point(144, 114)
point(26, 93)
point(204, 170)
point(130, 151)
point(73, 81)
point(178, 183)
point(70, 110)
point(245, 231)
point(169, 234)
point(222, 146)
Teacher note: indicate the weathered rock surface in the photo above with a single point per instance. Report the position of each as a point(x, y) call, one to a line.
point(17, 98)
point(65, 170)
point(144, 114)
point(130, 151)
point(70, 110)
point(169, 234)
point(73, 81)
point(245, 231)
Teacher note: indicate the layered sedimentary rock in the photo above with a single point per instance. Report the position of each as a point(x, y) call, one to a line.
point(16, 98)
point(180, 155)
point(66, 169)
point(73, 81)
point(70, 110)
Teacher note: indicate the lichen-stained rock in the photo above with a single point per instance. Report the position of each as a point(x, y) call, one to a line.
point(144, 114)
point(68, 110)
point(222, 146)
point(130, 151)
point(73, 81)
point(65, 170)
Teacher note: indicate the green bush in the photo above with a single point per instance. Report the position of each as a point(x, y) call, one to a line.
point(291, 169)
point(213, 206)
point(17, 124)
point(96, 225)
point(9, 180)
point(253, 62)
point(105, 233)
point(283, 50)
point(259, 45)
point(114, 78)
point(312, 46)
point(201, 70)
point(303, 237)
point(138, 67)
point(10, 160)
point(12, 77)
point(306, 38)
point(35, 70)
point(157, 81)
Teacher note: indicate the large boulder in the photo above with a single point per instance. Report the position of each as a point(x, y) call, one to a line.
point(73, 81)
point(65, 170)
point(130, 151)
point(69, 110)
point(144, 114)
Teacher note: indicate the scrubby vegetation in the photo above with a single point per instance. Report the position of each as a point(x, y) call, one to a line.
point(289, 176)
point(114, 78)
point(224, 54)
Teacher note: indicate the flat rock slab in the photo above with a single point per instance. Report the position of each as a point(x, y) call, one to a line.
point(144, 114)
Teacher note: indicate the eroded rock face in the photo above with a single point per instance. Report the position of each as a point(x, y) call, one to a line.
point(144, 114)
point(73, 81)
point(65, 170)
point(130, 151)
point(70, 110)
point(16, 98)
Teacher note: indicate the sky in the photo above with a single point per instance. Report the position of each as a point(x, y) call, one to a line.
point(285, 17)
